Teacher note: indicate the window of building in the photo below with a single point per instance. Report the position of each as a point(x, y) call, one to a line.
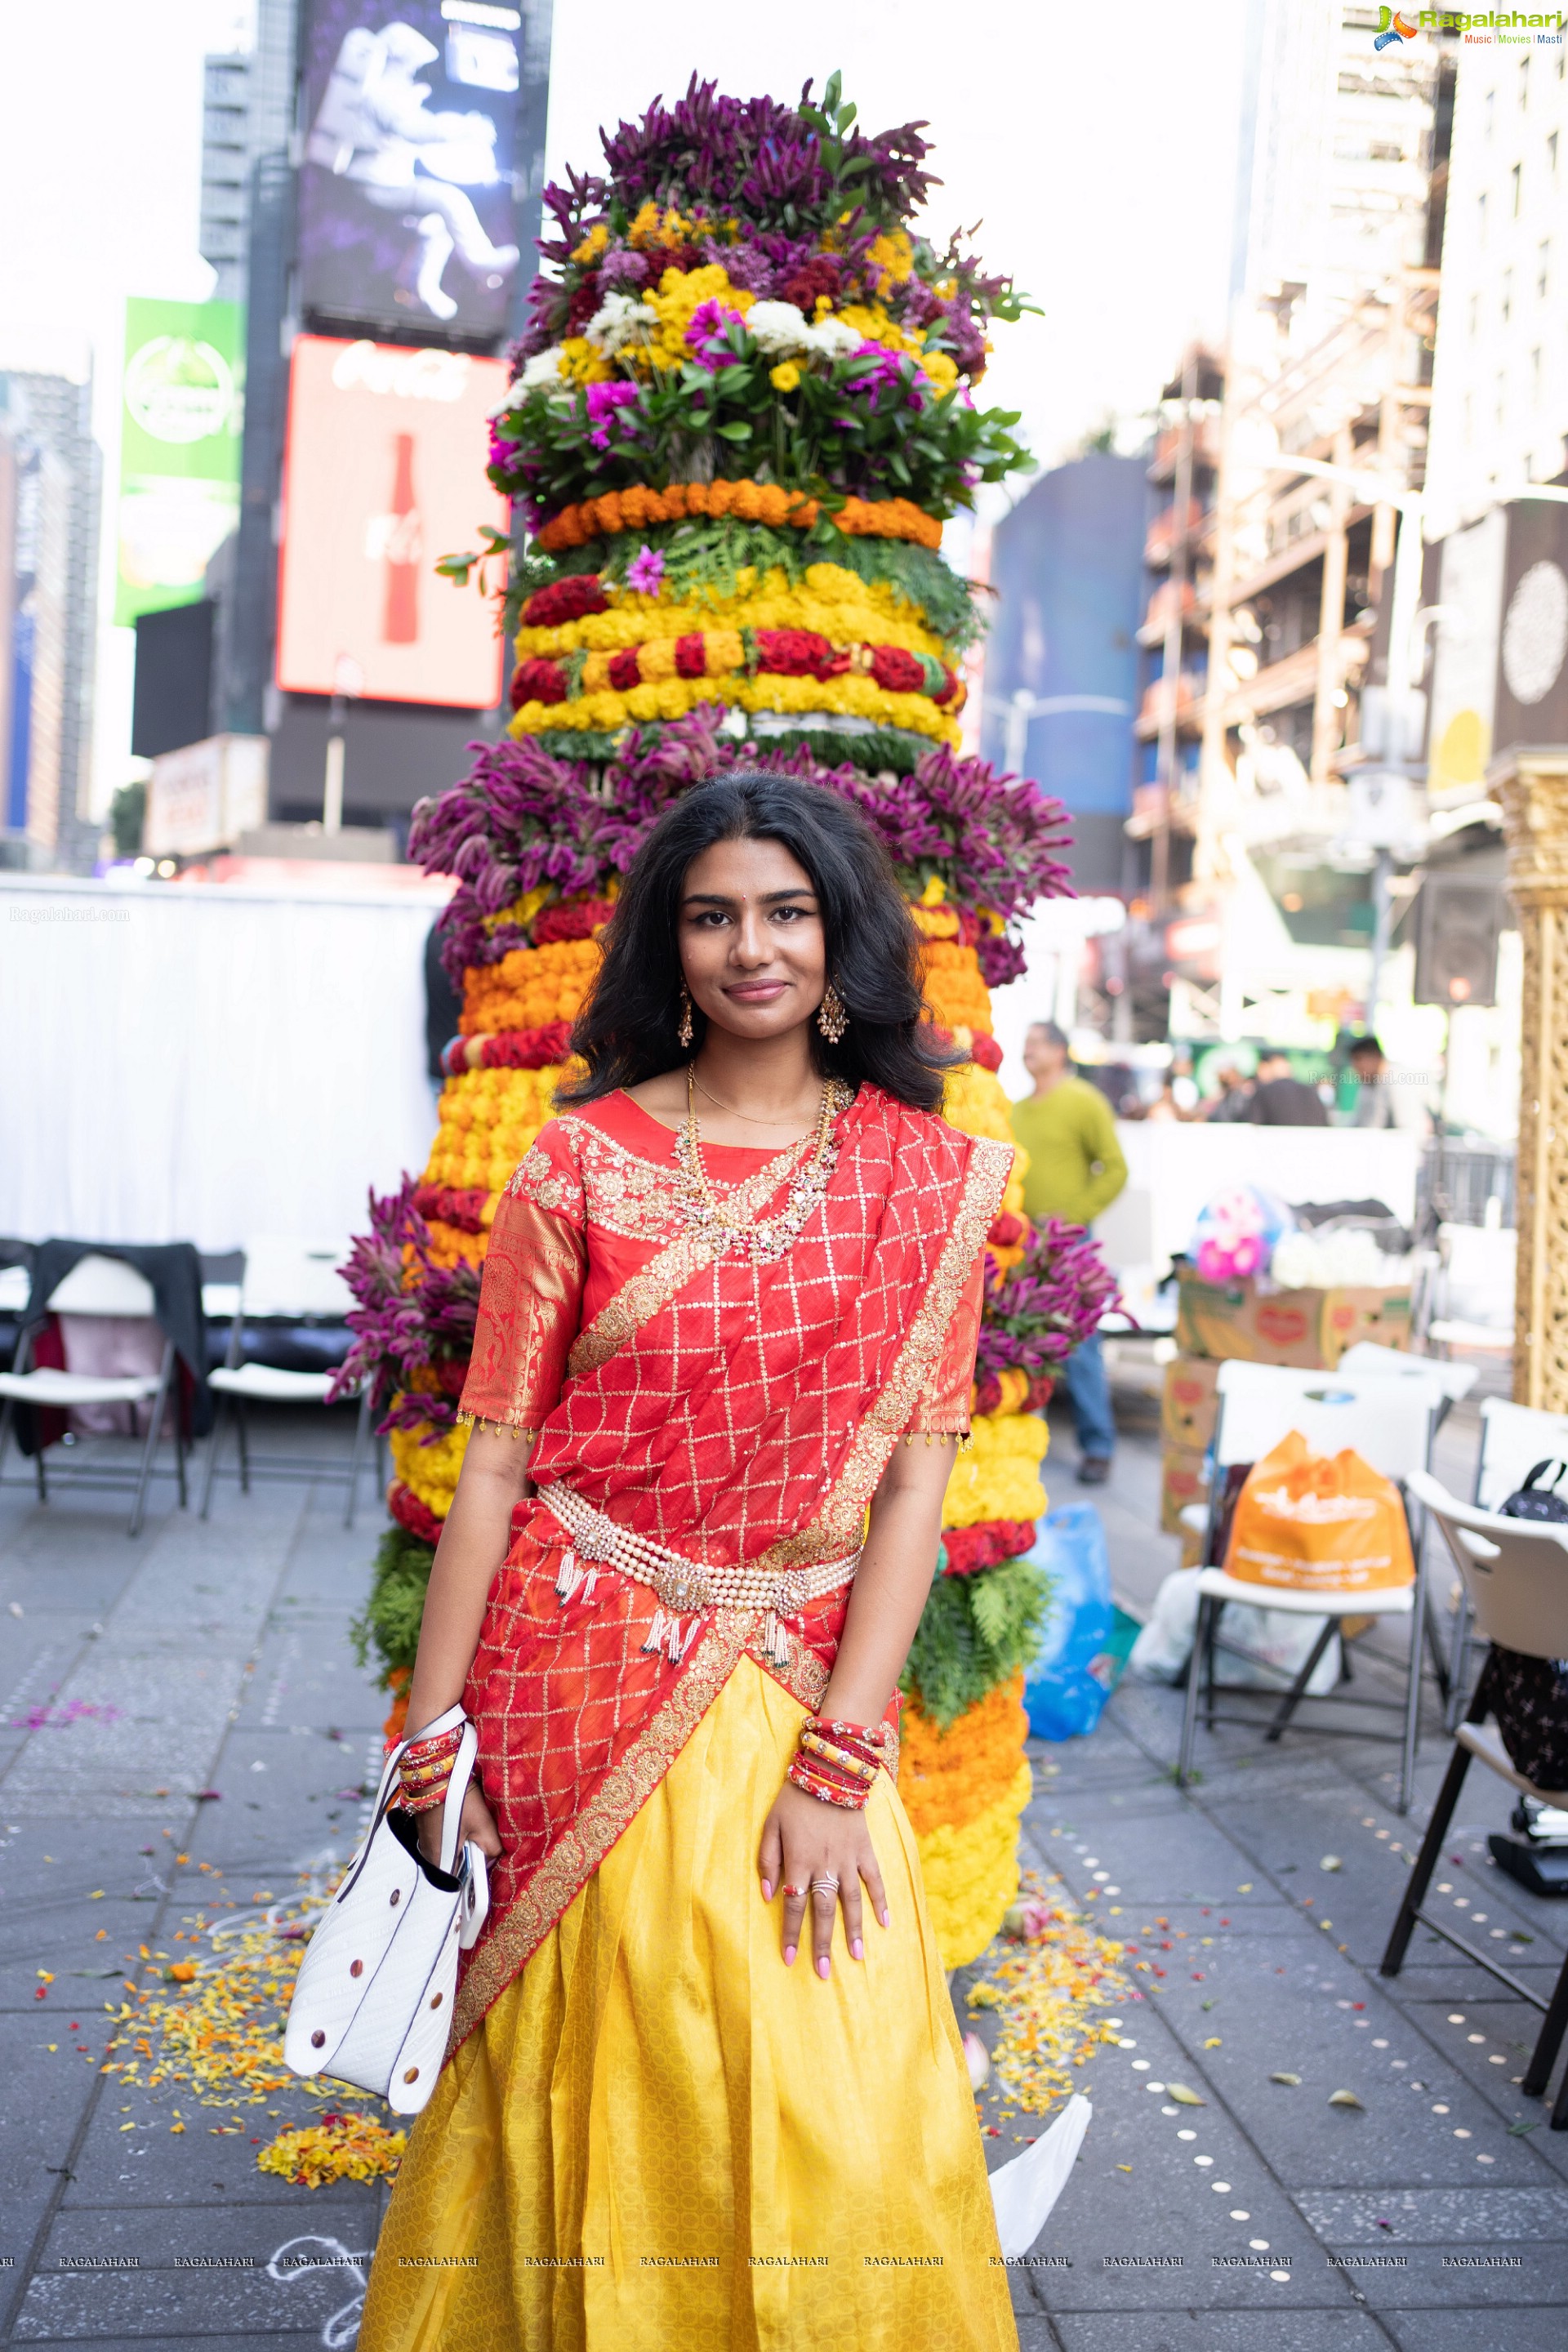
point(1491, 109)
point(1544, 268)
point(1535, 373)
point(1481, 217)
point(1516, 185)
point(1551, 156)
point(1475, 316)
point(1506, 301)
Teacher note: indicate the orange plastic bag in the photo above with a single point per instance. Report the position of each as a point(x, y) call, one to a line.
point(1312, 1522)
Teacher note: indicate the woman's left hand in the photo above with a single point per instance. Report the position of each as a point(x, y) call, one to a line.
point(807, 1843)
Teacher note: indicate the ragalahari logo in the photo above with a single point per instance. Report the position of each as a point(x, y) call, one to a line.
point(1393, 27)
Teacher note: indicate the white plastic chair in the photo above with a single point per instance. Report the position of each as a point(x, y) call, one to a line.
point(285, 1282)
point(1515, 1573)
point(97, 1286)
point(1389, 1423)
point(1472, 1291)
point(1514, 1438)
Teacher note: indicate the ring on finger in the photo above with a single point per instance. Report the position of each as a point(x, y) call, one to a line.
point(826, 1883)
point(799, 1891)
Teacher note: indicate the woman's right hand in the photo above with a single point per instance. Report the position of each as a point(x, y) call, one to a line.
point(477, 1822)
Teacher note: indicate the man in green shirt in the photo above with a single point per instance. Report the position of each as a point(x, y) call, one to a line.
point(1076, 1170)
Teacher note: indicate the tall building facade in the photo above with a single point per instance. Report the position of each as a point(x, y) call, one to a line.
point(51, 486)
point(1060, 661)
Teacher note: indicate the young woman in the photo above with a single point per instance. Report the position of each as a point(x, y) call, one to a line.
point(705, 2086)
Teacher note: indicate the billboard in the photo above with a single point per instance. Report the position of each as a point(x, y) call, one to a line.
point(1533, 667)
point(384, 473)
point(182, 416)
point(408, 191)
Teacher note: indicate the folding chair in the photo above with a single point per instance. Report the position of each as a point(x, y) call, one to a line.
point(1515, 1572)
point(292, 1282)
point(1471, 1298)
point(1389, 1423)
point(96, 1285)
point(1514, 1438)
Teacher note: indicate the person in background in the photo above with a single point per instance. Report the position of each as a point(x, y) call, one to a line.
point(1233, 1105)
point(1373, 1099)
point(1184, 1086)
point(1076, 1170)
point(1281, 1100)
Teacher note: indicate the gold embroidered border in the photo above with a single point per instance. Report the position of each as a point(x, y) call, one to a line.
point(839, 1522)
point(613, 1806)
point(654, 1285)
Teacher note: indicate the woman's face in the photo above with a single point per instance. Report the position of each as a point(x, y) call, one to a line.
point(750, 939)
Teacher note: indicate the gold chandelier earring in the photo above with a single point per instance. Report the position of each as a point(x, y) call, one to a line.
point(683, 1028)
point(831, 1017)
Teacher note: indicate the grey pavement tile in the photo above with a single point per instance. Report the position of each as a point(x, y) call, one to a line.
point(306, 1672)
point(1455, 2330)
point(1273, 2329)
point(44, 2098)
point(160, 2306)
point(223, 2235)
point(1497, 2278)
point(199, 2339)
point(1392, 2217)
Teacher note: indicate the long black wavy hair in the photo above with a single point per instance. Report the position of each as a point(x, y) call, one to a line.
point(626, 1030)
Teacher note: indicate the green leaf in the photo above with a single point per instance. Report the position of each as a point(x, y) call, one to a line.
point(733, 432)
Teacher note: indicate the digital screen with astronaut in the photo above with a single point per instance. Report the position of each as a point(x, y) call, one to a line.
point(407, 204)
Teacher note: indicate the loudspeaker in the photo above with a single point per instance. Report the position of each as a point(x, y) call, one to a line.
point(1456, 949)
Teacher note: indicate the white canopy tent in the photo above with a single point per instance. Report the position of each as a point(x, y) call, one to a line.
point(203, 1063)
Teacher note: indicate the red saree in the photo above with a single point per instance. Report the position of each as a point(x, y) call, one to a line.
point(736, 1412)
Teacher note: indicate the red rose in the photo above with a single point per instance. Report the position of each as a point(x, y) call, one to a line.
point(691, 656)
point(565, 600)
point(896, 671)
point(538, 681)
point(623, 669)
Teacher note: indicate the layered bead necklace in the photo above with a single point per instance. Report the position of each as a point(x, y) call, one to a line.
point(760, 1240)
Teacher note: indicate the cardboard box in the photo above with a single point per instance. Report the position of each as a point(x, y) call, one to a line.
point(1308, 1330)
point(1190, 1404)
point(1183, 1478)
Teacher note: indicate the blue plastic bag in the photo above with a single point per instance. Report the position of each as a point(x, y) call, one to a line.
point(1071, 1678)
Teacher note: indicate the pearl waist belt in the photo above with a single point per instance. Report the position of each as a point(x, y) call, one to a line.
point(682, 1586)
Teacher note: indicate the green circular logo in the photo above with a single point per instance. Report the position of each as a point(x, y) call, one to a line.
point(179, 390)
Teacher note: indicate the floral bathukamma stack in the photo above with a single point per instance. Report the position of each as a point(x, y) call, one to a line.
point(740, 416)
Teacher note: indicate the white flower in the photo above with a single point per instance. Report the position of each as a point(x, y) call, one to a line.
point(620, 320)
point(544, 367)
point(832, 340)
point(778, 329)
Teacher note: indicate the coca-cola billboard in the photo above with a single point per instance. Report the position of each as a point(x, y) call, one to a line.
point(383, 474)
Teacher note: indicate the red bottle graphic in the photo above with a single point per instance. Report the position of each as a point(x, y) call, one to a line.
point(404, 547)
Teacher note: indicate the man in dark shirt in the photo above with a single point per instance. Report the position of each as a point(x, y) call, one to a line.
point(1281, 1100)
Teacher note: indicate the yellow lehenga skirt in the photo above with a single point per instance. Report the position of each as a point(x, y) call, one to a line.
point(661, 2139)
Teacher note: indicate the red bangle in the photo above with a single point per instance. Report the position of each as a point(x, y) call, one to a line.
point(828, 1792)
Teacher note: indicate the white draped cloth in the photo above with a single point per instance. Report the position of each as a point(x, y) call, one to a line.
point(203, 1063)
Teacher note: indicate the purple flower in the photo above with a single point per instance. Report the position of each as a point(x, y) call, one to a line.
point(708, 333)
point(645, 572)
point(604, 400)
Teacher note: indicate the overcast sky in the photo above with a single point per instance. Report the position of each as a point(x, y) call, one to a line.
point(1095, 145)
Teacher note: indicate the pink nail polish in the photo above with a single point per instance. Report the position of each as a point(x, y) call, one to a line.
point(883, 1917)
point(824, 1966)
point(767, 1890)
point(789, 1956)
point(856, 1949)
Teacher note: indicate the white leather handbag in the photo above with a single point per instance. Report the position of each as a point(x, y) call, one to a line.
point(372, 2001)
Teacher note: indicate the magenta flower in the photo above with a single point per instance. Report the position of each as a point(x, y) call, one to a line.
point(604, 400)
point(711, 324)
point(645, 572)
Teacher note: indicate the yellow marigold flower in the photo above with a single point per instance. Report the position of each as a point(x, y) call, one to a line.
point(941, 368)
point(893, 255)
point(657, 659)
point(595, 241)
point(785, 377)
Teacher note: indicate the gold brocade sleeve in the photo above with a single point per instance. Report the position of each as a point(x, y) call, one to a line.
point(531, 1297)
point(943, 1406)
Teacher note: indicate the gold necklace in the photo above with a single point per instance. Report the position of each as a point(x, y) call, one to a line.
point(744, 1116)
point(760, 1239)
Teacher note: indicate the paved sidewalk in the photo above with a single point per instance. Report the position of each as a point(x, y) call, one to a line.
point(219, 1659)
